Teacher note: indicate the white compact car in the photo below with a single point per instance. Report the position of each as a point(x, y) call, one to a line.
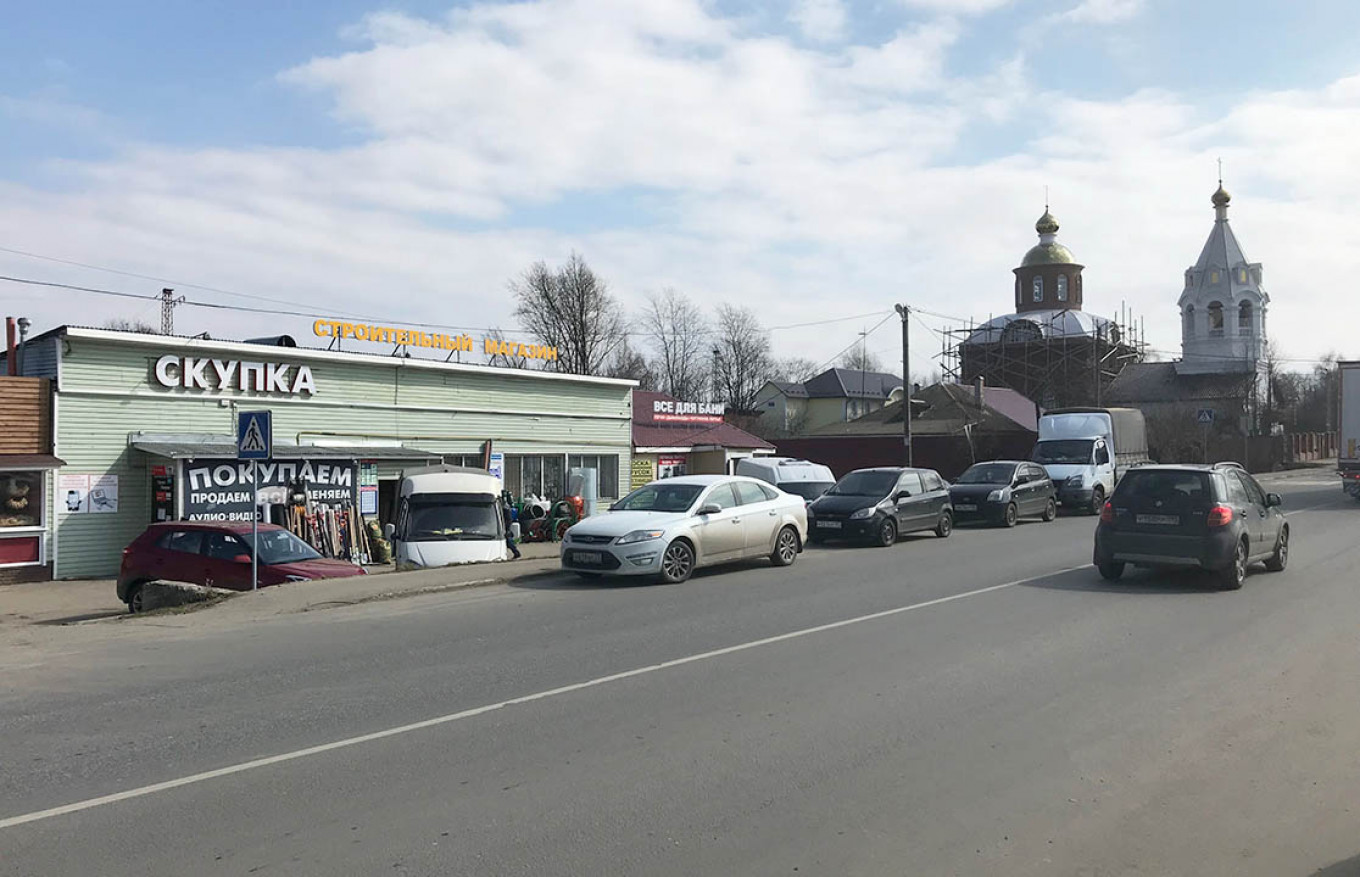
point(671, 527)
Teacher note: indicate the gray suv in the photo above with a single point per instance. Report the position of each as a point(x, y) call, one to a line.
point(1211, 517)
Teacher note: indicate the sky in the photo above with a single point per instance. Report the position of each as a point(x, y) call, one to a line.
point(815, 160)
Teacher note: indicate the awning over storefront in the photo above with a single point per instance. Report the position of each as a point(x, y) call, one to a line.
point(190, 448)
point(30, 461)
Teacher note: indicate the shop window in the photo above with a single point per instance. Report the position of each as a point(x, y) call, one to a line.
point(606, 468)
point(1244, 318)
point(1038, 288)
point(1062, 287)
point(540, 474)
point(472, 461)
point(21, 499)
point(1215, 318)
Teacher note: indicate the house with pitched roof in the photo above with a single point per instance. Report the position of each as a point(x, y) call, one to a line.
point(837, 395)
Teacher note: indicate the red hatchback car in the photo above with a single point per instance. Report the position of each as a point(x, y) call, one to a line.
point(217, 553)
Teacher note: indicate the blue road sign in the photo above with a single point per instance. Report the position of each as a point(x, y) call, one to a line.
point(1205, 416)
point(254, 435)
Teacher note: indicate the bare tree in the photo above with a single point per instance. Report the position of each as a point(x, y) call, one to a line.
point(861, 358)
point(505, 360)
point(123, 324)
point(743, 356)
point(628, 362)
point(570, 309)
point(795, 369)
point(678, 333)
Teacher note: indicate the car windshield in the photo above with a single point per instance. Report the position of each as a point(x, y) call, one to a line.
point(660, 498)
point(1169, 489)
point(988, 473)
point(1070, 451)
point(280, 546)
point(865, 483)
point(433, 518)
point(806, 489)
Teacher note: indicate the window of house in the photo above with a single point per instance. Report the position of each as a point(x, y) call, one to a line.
point(1241, 275)
point(21, 498)
point(1038, 288)
point(1190, 321)
point(1244, 318)
point(540, 474)
point(1213, 276)
point(1062, 287)
point(1215, 318)
point(606, 468)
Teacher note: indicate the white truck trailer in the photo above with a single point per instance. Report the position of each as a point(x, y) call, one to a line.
point(1348, 421)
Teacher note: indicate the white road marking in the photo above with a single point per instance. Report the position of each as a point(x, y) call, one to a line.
point(143, 791)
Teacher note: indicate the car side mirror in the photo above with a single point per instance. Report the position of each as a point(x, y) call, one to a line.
point(1274, 499)
point(241, 558)
point(901, 495)
point(709, 508)
point(389, 530)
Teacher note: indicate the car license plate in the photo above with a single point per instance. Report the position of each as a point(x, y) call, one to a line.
point(828, 525)
point(964, 507)
point(1161, 520)
point(588, 557)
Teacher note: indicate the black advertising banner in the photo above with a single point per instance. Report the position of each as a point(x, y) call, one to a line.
point(221, 490)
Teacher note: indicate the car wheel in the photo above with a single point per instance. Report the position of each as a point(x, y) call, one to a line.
point(887, 533)
point(1280, 559)
point(945, 526)
point(134, 598)
point(1050, 510)
point(1010, 515)
point(1235, 573)
point(1111, 570)
point(785, 547)
point(677, 564)
point(1097, 500)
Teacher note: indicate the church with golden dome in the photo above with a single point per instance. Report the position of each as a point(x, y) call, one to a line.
point(1050, 349)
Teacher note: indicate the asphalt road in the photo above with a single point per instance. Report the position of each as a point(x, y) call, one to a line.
point(977, 705)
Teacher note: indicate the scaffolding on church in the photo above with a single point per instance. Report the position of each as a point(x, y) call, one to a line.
point(1050, 357)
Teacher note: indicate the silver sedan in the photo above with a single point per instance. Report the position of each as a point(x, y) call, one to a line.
point(671, 527)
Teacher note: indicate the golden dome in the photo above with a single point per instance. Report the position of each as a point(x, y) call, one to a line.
point(1221, 197)
point(1047, 224)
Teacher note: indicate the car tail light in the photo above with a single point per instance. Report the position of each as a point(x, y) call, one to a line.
point(1219, 516)
point(1107, 513)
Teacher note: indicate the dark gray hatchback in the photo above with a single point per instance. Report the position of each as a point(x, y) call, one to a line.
point(1212, 517)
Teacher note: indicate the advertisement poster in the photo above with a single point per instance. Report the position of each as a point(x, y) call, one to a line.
point(222, 490)
point(670, 467)
point(497, 465)
point(368, 488)
point(103, 493)
point(162, 494)
point(643, 473)
point(73, 493)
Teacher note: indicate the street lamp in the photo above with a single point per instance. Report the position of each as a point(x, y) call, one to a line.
point(904, 311)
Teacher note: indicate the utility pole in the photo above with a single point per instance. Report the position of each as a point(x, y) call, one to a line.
point(904, 311)
point(168, 302)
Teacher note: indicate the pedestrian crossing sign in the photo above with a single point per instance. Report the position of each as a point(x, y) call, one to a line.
point(254, 435)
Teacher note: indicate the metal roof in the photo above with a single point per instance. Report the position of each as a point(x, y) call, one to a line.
point(1040, 325)
point(193, 447)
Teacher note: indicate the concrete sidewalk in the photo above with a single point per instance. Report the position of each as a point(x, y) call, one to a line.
point(85, 600)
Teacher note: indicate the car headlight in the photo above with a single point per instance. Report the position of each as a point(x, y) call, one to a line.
point(298, 579)
point(640, 536)
point(1074, 481)
point(863, 513)
point(995, 495)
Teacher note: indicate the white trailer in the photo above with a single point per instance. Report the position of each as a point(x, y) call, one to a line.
point(1348, 422)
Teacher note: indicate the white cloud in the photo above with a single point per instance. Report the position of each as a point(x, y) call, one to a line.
point(1103, 11)
point(956, 7)
point(805, 181)
point(820, 20)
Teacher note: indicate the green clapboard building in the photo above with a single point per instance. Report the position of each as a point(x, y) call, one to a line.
point(144, 426)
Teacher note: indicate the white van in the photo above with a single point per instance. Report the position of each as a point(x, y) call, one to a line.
point(799, 477)
point(447, 515)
